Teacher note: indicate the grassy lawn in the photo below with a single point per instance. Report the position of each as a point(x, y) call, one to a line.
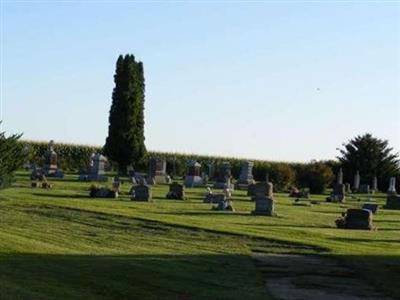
point(60, 244)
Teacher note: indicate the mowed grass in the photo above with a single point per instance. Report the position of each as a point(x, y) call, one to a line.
point(61, 244)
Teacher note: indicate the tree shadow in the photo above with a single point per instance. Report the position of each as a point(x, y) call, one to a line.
point(26, 276)
point(75, 196)
point(230, 276)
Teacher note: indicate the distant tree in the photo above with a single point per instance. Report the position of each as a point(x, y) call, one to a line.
point(371, 157)
point(11, 157)
point(281, 175)
point(316, 175)
point(125, 141)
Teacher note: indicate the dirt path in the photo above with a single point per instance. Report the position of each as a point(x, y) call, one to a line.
point(311, 277)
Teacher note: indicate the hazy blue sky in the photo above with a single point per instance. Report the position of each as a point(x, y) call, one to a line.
point(269, 80)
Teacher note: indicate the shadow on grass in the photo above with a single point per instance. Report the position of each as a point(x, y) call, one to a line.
point(27, 276)
point(63, 196)
point(129, 277)
point(340, 239)
point(207, 213)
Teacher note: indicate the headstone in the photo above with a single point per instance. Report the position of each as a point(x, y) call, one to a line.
point(392, 201)
point(356, 219)
point(373, 207)
point(338, 194)
point(141, 192)
point(364, 189)
point(158, 170)
point(193, 177)
point(224, 176)
point(50, 167)
point(375, 184)
point(139, 177)
point(246, 176)
point(210, 170)
point(339, 178)
point(295, 193)
point(176, 191)
point(250, 189)
point(263, 196)
point(392, 186)
point(347, 188)
point(96, 172)
point(356, 184)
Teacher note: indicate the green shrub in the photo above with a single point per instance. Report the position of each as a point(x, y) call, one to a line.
point(282, 176)
point(11, 158)
point(317, 176)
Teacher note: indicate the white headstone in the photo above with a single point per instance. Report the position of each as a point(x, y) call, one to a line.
point(392, 186)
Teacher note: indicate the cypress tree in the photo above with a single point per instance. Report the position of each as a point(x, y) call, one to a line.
point(125, 141)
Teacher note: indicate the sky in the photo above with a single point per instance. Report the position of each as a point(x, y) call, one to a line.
point(286, 81)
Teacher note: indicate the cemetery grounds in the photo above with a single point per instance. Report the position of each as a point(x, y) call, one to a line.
point(61, 244)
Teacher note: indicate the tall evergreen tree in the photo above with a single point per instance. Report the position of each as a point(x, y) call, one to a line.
point(11, 157)
point(125, 141)
point(371, 157)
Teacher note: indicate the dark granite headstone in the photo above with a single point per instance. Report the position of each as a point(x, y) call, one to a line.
point(392, 202)
point(373, 207)
point(250, 189)
point(176, 191)
point(141, 192)
point(338, 194)
point(358, 219)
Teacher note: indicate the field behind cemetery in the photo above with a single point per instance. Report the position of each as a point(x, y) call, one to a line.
point(60, 244)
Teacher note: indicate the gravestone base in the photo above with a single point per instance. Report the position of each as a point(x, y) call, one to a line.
point(336, 198)
point(193, 181)
point(264, 207)
point(393, 202)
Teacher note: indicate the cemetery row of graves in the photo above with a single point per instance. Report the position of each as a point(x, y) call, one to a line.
point(260, 192)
